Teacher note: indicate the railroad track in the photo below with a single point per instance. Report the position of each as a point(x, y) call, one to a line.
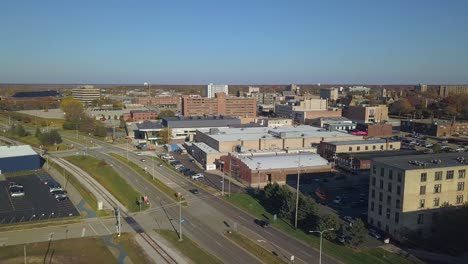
point(148, 239)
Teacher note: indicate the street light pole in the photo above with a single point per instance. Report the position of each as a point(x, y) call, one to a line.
point(297, 188)
point(259, 164)
point(321, 235)
point(127, 148)
point(153, 167)
point(180, 216)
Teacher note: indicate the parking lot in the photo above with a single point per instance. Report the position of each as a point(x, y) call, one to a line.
point(36, 204)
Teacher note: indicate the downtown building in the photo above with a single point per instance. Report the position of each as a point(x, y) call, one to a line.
point(86, 94)
point(406, 193)
point(212, 89)
point(220, 105)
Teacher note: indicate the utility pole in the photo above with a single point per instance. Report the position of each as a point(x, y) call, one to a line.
point(297, 188)
point(180, 216)
point(25, 261)
point(127, 148)
point(153, 167)
point(258, 175)
point(119, 224)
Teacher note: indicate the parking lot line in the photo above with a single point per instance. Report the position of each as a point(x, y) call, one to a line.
point(110, 233)
point(9, 197)
point(92, 228)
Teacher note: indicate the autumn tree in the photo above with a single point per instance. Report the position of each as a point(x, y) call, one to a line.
point(401, 106)
point(166, 113)
point(165, 135)
point(72, 108)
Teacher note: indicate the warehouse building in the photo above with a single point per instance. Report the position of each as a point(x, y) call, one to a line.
point(18, 158)
point(259, 169)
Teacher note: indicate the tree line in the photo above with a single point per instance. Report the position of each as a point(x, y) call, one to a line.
point(76, 118)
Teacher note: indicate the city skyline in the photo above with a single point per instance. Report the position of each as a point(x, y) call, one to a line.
point(269, 42)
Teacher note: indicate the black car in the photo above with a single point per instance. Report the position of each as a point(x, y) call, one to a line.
point(261, 222)
point(189, 173)
point(194, 191)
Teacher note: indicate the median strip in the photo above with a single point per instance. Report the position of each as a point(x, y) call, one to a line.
point(156, 182)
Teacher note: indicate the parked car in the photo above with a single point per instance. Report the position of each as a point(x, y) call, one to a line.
point(197, 176)
point(178, 166)
point(14, 185)
point(16, 191)
point(181, 168)
point(374, 233)
point(337, 199)
point(349, 219)
point(61, 198)
point(261, 222)
point(58, 192)
point(53, 186)
point(189, 173)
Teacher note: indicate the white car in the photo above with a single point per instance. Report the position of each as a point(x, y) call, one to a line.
point(337, 199)
point(139, 154)
point(197, 176)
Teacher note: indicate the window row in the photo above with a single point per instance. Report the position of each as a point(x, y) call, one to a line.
point(448, 176)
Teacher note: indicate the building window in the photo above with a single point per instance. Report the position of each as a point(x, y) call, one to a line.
point(358, 148)
point(391, 146)
point(350, 149)
point(400, 176)
point(373, 147)
point(422, 203)
point(367, 147)
point(372, 206)
point(371, 221)
point(388, 213)
point(449, 175)
point(390, 174)
point(381, 147)
point(437, 188)
point(381, 184)
point(438, 176)
point(374, 169)
point(436, 201)
point(397, 217)
point(420, 220)
point(461, 186)
point(378, 224)
point(461, 174)
point(398, 190)
point(373, 181)
point(381, 171)
point(380, 196)
point(373, 193)
point(380, 209)
point(459, 199)
point(423, 177)
point(397, 204)
point(389, 200)
point(389, 187)
point(422, 189)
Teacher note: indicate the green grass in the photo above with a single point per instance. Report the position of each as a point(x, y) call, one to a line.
point(342, 253)
point(72, 251)
point(132, 249)
point(41, 223)
point(255, 249)
point(156, 182)
point(34, 141)
point(110, 179)
point(87, 195)
point(22, 173)
point(189, 248)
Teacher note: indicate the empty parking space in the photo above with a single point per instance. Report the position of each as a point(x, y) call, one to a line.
point(36, 204)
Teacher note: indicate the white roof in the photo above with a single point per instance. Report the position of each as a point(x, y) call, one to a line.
point(255, 133)
point(268, 162)
point(16, 151)
point(204, 147)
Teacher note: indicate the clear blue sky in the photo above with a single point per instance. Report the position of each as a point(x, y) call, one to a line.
point(234, 41)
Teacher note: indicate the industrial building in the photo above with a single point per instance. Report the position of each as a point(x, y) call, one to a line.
point(266, 139)
point(18, 158)
point(408, 192)
point(334, 123)
point(86, 94)
point(259, 169)
point(220, 105)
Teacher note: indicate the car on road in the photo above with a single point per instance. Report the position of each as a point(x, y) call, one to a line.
point(460, 149)
point(142, 160)
point(194, 191)
point(337, 199)
point(139, 154)
point(197, 176)
point(261, 222)
point(374, 233)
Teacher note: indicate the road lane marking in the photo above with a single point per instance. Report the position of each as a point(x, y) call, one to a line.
point(105, 227)
point(83, 231)
point(92, 229)
point(305, 253)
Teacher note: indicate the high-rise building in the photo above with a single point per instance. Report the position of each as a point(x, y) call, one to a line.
point(220, 105)
point(86, 94)
point(329, 93)
point(406, 193)
point(421, 88)
point(446, 90)
point(212, 89)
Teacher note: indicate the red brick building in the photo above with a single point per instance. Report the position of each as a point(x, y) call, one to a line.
point(140, 115)
point(220, 105)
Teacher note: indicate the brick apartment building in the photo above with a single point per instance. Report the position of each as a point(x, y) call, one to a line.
point(140, 115)
point(220, 105)
point(160, 101)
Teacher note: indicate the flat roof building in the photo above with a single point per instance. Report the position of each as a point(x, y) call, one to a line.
point(329, 149)
point(447, 90)
point(407, 193)
point(220, 105)
point(213, 89)
point(366, 114)
point(264, 139)
point(18, 158)
point(86, 94)
point(259, 169)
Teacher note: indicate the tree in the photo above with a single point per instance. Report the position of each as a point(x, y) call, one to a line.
point(73, 108)
point(165, 135)
point(358, 233)
point(401, 106)
point(166, 113)
point(327, 222)
point(38, 133)
point(99, 130)
point(307, 213)
point(20, 131)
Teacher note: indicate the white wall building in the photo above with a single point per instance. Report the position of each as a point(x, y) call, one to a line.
point(212, 89)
